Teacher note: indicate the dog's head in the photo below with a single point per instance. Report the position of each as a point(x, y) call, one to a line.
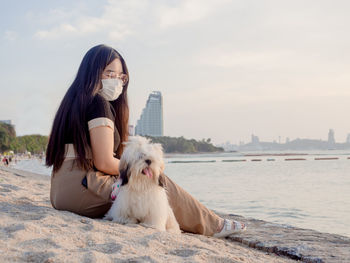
point(141, 162)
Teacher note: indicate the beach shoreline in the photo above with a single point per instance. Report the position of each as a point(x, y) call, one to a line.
point(31, 230)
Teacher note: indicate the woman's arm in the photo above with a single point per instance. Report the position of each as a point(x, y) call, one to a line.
point(102, 143)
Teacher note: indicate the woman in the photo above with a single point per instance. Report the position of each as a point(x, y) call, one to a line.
point(85, 146)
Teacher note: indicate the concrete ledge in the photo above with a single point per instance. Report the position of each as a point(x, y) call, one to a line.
point(296, 243)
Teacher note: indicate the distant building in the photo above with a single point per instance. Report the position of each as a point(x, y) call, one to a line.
point(255, 139)
point(131, 130)
point(151, 120)
point(331, 139)
point(6, 122)
point(228, 147)
point(348, 138)
point(254, 145)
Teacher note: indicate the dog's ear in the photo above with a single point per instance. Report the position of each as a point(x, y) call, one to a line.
point(124, 175)
point(161, 180)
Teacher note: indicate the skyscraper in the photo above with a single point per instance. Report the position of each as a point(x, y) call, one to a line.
point(151, 120)
point(331, 139)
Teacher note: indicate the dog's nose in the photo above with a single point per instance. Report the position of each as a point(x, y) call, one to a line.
point(148, 161)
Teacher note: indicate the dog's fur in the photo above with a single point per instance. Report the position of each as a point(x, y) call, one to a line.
point(142, 197)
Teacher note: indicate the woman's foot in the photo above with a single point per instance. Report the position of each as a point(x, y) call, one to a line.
point(230, 227)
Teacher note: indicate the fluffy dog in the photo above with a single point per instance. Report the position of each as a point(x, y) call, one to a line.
point(142, 197)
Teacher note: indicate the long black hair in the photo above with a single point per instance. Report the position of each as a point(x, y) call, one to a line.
point(70, 120)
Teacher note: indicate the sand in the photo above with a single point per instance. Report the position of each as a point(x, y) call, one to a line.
point(32, 231)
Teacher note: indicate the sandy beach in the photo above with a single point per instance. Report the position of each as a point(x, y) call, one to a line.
point(32, 231)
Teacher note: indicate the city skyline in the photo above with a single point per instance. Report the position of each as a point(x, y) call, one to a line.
point(286, 139)
point(226, 69)
point(256, 144)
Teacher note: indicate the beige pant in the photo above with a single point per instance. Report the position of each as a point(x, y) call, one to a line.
point(67, 193)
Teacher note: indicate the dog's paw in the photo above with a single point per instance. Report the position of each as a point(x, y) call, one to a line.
point(148, 225)
point(174, 230)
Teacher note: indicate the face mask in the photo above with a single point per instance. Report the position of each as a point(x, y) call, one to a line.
point(111, 88)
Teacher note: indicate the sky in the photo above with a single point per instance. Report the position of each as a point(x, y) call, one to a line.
point(226, 69)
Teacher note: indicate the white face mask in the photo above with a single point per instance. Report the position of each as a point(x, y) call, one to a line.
point(111, 88)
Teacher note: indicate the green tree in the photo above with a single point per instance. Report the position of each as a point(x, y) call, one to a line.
point(32, 143)
point(8, 141)
point(182, 145)
point(7, 136)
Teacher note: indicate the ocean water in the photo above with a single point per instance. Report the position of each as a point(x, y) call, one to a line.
point(32, 165)
point(308, 193)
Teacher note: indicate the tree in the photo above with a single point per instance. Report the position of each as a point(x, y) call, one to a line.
point(21, 144)
point(31, 143)
point(7, 136)
point(182, 145)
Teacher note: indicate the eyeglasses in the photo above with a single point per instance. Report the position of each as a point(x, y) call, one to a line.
point(113, 75)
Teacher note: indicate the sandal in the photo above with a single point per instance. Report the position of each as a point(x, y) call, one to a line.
point(230, 227)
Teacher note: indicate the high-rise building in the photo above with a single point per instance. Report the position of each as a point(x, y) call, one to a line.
point(131, 130)
point(255, 139)
point(331, 139)
point(151, 120)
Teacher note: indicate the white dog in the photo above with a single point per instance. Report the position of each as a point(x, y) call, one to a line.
point(142, 197)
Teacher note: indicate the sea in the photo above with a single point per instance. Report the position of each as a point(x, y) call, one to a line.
point(301, 189)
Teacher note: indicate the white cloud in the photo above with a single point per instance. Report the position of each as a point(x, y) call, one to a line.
point(63, 29)
point(117, 21)
point(10, 35)
point(187, 11)
point(123, 18)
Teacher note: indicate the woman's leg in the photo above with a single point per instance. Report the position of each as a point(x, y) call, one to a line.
point(68, 193)
point(191, 215)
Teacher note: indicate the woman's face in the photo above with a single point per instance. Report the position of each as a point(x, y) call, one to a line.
point(113, 69)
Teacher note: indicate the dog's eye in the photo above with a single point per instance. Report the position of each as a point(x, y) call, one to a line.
point(142, 155)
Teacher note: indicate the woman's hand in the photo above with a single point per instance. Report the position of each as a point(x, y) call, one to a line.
point(102, 144)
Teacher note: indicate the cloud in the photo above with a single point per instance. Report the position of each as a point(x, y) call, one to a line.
point(188, 11)
point(117, 21)
point(10, 35)
point(56, 32)
point(123, 18)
